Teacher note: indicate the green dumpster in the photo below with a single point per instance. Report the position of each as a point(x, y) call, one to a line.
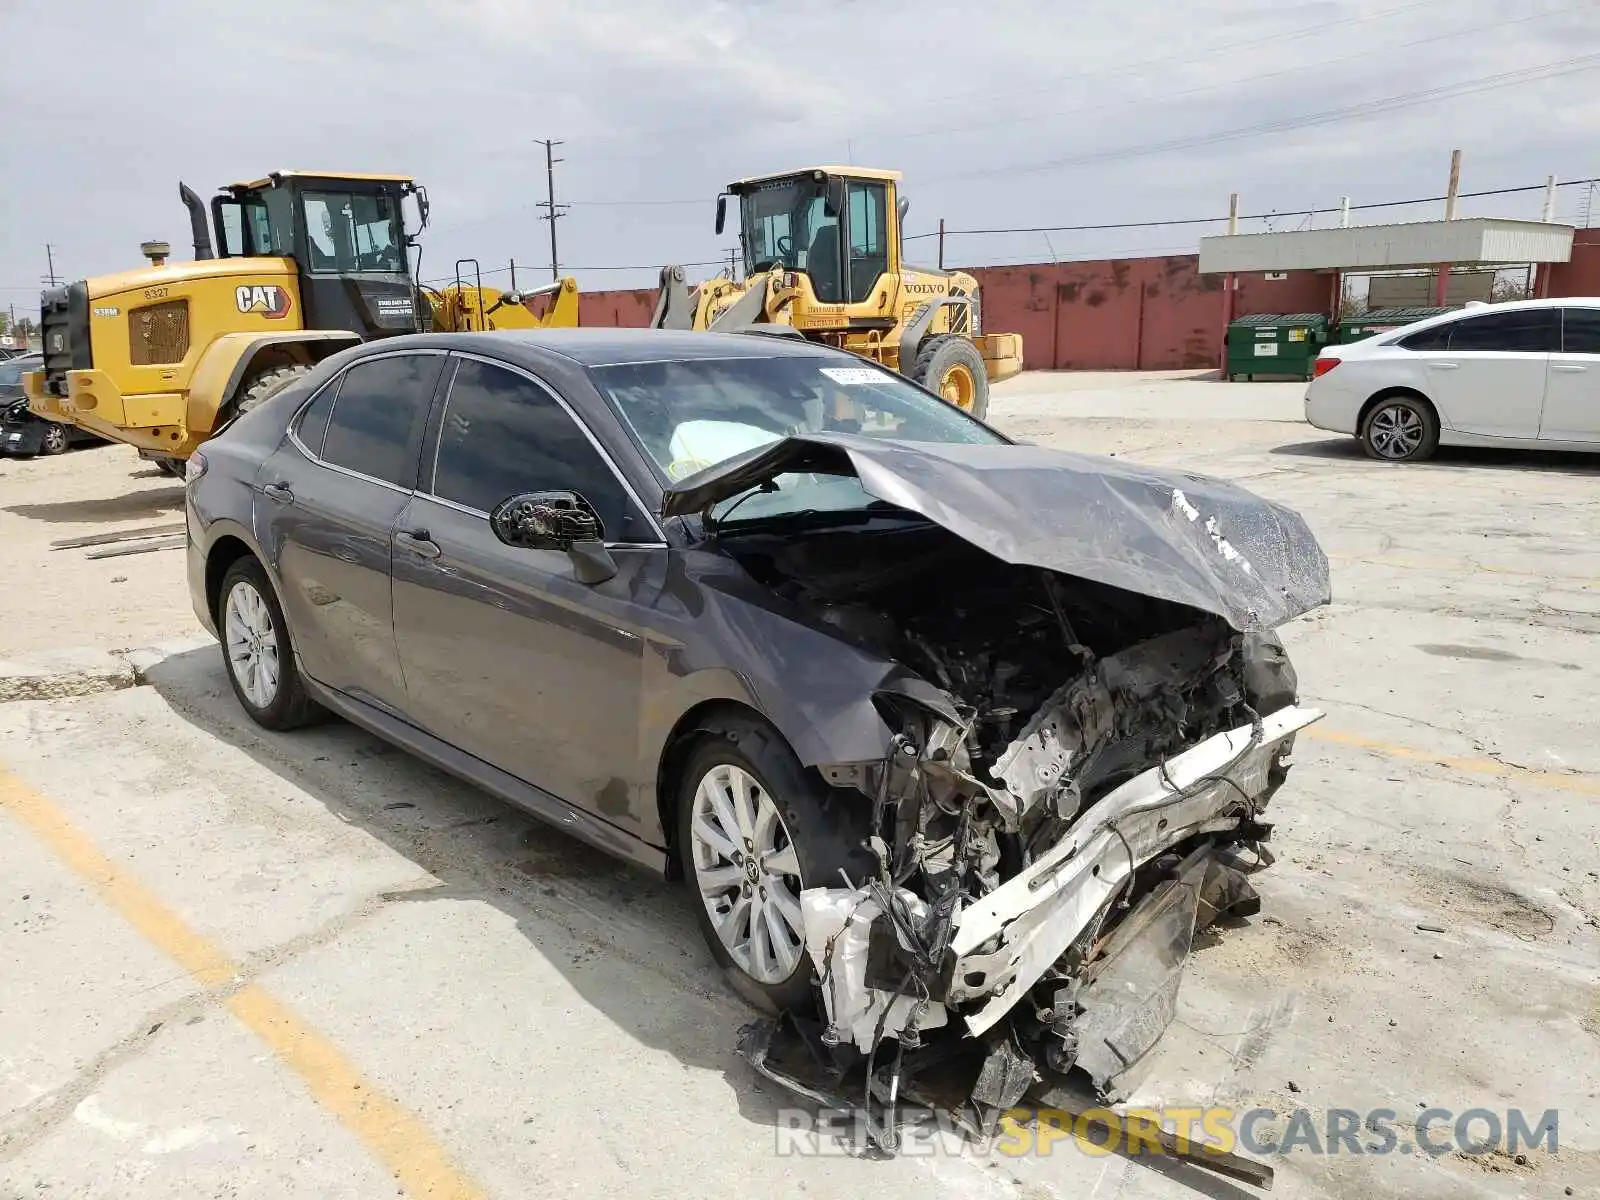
point(1275, 344)
point(1380, 320)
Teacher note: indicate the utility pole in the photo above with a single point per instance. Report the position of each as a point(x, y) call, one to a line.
point(1228, 285)
point(552, 210)
point(1441, 279)
point(941, 243)
point(50, 258)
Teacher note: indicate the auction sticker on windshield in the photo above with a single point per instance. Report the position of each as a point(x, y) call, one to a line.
point(850, 376)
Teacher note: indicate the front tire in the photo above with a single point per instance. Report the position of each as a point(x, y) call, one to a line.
point(755, 828)
point(54, 440)
point(950, 366)
point(1400, 428)
point(268, 384)
point(258, 651)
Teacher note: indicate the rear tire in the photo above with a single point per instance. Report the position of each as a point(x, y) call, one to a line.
point(950, 366)
point(1400, 428)
point(790, 831)
point(267, 384)
point(258, 652)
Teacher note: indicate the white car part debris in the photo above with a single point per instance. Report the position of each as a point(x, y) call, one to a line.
point(1030, 921)
point(838, 927)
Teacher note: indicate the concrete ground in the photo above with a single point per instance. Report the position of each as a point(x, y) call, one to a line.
point(241, 964)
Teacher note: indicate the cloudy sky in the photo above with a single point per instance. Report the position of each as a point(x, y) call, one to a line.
point(1011, 113)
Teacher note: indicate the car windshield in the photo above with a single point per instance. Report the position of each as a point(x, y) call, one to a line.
point(691, 415)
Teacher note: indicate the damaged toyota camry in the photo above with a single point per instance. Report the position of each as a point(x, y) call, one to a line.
point(955, 742)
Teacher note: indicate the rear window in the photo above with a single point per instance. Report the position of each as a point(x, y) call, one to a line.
point(376, 425)
point(1580, 333)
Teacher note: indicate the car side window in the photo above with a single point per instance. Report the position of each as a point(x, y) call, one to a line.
point(503, 434)
point(377, 418)
point(1436, 338)
point(1580, 330)
point(313, 423)
point(1523, 331)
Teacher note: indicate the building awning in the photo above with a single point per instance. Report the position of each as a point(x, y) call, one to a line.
point(1477, 240)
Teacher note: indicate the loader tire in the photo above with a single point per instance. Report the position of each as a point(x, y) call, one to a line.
point(949, 365)
point(268, 384)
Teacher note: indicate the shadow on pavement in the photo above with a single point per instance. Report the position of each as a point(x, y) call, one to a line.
point(1339, 448)
point(677, 1000)
point(130, 506)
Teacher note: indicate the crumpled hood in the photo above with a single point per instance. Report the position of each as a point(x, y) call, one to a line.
point(1186, 538)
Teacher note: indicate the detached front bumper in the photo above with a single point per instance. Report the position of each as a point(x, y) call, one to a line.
point(1008, 939)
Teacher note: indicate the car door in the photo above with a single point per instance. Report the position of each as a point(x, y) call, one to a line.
point(506, 655)
point(1572, 396)
point(1490, 379)
point(325, 510)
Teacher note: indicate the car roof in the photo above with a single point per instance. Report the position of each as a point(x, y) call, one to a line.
point(611, 347)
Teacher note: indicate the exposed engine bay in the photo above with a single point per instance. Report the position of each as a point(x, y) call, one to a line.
point(1074, 786)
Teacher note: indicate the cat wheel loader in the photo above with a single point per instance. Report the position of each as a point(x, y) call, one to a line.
point(822, 260)
point(303, 265)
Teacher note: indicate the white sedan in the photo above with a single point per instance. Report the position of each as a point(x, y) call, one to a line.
point(1524, 374)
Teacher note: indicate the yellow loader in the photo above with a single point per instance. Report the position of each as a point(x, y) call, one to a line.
point(822, 260)
point(304, 264)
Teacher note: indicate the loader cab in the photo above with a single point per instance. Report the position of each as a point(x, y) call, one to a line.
point(346, 235)
point(838, 225)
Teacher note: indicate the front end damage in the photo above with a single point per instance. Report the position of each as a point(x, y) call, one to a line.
point(1033, 913)
point(1091, 718)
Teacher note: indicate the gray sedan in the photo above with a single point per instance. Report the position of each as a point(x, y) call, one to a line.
point(940, 730)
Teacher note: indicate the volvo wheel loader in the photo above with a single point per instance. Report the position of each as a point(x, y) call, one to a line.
point(822, 260)
point(304, 263)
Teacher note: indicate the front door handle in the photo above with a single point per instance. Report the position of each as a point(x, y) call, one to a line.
point(418, 542)
point(1444, 366)
point(1570, 368)
point(281, 492)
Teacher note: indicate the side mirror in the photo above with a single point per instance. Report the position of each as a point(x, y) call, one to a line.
point(562, 521)
point(902, 208)
point(423, 207)
point(722, 211)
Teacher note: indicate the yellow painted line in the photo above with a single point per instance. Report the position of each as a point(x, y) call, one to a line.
point(395, 1137)
point(1476, 766)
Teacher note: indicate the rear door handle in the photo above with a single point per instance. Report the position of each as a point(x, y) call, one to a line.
point(281, 492)
point(1571, 368)
point(1443, 366)
point(418, 542)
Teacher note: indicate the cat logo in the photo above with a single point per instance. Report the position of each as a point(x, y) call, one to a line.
point(267, 299)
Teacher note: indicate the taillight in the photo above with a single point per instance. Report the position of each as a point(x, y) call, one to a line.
point(194, 468)
point(1322, 366)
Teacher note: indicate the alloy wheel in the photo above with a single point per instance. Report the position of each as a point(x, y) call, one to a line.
point(55, 440)
point(1396, 431)
point(252, 643)
point(747, 873)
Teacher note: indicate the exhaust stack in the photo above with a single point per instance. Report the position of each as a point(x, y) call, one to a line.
point(197, 222)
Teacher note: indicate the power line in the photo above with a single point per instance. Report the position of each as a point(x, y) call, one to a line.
point(1532, 187)
point(1317, 30)
point(1369, 108)
point(1168, 97)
